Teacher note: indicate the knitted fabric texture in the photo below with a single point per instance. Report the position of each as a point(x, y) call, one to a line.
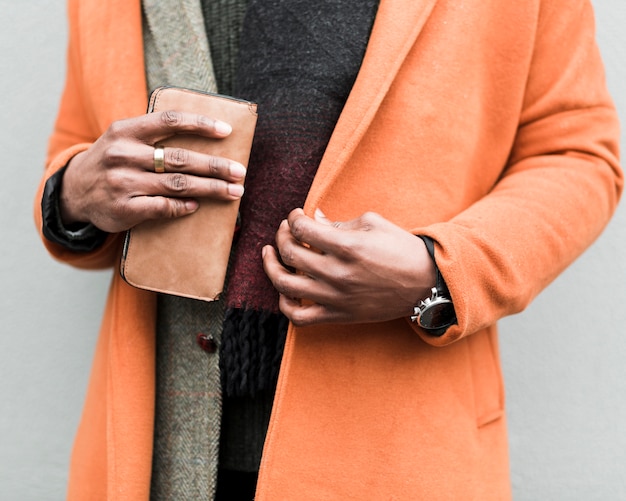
point(176, 50)
point(223, 21)
point(298, 60)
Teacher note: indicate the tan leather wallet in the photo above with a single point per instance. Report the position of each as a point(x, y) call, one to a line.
point(188, 256)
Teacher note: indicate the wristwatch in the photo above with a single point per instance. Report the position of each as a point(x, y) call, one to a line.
point(435, 313)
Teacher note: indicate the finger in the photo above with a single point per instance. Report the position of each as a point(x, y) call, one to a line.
point(145, 208)
point(198, 164)
point(321, 235)
point(302, 315)
point(294, 285)
point(295, 255)
point(181, 185)
point(320, 217)
point(283, 280)
point(155, 127)
point(353, 224)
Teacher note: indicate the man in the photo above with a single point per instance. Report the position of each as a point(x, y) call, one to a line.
point(485, 129)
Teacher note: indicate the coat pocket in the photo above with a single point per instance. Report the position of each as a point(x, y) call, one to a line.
point(486, 376)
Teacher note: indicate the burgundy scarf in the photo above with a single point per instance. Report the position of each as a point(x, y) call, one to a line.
point(298, 60)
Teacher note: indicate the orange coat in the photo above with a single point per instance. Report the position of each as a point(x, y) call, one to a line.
point(485, 125)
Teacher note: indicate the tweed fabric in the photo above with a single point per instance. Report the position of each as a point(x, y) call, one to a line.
point(188, 404)
point(176, 49)
point(188, 391)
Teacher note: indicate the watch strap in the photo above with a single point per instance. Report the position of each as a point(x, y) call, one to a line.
point(440, 284)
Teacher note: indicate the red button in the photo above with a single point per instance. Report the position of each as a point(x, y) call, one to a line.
point(206, 342)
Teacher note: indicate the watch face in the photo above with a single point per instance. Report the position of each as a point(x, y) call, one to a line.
point(437, 314)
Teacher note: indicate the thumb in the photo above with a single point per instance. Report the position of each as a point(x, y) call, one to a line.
point(353, 224)
point(320, 217)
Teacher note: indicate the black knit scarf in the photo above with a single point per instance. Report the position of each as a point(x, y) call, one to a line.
point(298, 60)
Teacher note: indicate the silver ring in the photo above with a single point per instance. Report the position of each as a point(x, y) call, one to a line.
point(159, 160)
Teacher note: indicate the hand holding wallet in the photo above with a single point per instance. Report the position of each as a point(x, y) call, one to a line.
point(188, 256)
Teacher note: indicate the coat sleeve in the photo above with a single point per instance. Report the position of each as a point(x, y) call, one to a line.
point(559, 189)
point(74, 131)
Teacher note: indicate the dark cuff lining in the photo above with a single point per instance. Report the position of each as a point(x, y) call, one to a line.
point(81, 237)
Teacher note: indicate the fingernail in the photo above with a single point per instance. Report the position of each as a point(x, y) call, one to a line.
point(263, 251)
point(223, 127)
point(191, 205)
point(237, 170)
point(320, 216)
point(235, 190)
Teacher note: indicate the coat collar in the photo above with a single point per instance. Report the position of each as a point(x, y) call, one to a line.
point(398, 24)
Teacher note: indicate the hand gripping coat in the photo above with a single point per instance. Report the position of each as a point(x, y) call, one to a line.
point(484, 125)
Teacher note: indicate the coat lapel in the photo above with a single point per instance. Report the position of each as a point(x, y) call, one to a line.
point(398, 24)
point(176, 46)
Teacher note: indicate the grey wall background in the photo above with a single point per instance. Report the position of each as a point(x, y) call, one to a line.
point(564, 358)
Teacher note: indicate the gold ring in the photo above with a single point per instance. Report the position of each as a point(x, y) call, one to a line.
point(159, 160)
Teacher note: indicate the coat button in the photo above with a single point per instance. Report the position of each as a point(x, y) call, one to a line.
point(206, 342)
